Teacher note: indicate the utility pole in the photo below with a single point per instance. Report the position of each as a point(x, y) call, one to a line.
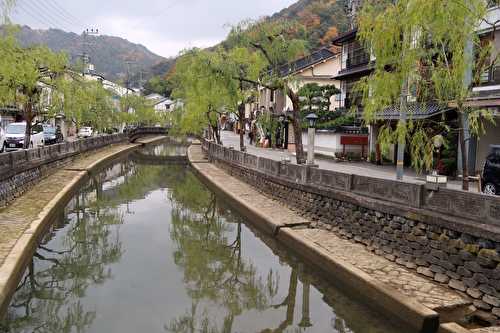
point(87, 66)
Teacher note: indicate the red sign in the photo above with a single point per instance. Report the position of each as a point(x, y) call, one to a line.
point(359, 140)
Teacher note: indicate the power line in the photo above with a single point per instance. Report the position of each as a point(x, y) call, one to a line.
point(40, 11)
point(23, 10)
point(65, 14)
point(56, 10)
point(50, 14)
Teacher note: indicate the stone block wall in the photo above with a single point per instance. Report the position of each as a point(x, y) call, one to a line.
point(393, 219)
point(20, 170)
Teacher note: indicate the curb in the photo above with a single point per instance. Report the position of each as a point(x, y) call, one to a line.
point(408, 311)
point(14, 265)
point(452, 328)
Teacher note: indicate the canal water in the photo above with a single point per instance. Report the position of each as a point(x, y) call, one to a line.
point(148, 248)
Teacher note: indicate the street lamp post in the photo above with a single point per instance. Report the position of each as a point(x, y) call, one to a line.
point(311, 133)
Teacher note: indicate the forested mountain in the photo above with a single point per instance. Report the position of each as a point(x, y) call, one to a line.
point(109, 54)
point(324, 19)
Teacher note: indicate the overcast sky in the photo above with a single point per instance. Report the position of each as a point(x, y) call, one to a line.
point(164, 26)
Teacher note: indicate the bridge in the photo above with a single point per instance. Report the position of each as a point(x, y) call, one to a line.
point(142, 131)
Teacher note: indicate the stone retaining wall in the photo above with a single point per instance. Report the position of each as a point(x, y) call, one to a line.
point(22, 169)
point(450, 236)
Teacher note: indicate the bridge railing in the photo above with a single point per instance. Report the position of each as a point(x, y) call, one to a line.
point(138, 132)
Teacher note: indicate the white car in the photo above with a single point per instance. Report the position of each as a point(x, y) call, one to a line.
point(85, 132)
point(14, 136)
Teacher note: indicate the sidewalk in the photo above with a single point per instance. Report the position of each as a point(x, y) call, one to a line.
point(359, 168)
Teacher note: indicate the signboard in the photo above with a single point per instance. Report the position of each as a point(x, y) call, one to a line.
point(356, 140)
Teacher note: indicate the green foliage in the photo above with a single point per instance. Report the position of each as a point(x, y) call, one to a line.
point(138, 110)
point(25, 73)
point(85, 103)
point(208, 82)
point(158, 85)
point(420, 45)
point(317, 99)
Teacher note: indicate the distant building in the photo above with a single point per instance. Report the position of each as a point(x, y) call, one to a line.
point(319, 67)
point(164, 105)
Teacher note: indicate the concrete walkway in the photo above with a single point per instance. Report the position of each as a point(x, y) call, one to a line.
point(360, 168)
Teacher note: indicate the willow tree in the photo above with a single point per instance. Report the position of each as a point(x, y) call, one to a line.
point(84, 103)
point(212, 83)
point(279, 43)
point(240, 69)
point(424, 46)
point(26, 74)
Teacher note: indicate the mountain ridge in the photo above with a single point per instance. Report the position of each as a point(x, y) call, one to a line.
point(109, 54)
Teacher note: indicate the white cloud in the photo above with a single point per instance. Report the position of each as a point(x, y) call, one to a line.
point(164, 26)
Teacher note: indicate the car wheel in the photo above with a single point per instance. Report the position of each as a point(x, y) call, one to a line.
point(490, 189)
point(4, 148)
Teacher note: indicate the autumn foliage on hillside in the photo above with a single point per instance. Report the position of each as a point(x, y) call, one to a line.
point(323, 19)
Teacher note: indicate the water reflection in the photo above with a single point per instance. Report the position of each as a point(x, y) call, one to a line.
point(149, 248)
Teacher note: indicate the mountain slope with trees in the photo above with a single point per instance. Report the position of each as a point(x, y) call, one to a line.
point(108, 54)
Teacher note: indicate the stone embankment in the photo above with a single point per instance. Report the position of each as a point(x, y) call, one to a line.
point(20, 170)
point(407, 242)
point(24, 221)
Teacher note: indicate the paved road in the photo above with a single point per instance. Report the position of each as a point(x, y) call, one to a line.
point(359, 168)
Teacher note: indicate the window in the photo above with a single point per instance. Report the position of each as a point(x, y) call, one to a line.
point(356, 54)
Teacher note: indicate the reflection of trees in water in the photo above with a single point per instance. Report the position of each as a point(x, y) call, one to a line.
point(209, 250)
point(47, 299)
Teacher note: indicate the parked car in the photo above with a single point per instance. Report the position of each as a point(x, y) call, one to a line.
point(491, 172)
point(14, 136)
point(52, 135)
point(85, 132)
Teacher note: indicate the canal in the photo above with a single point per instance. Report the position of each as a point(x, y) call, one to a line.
point(146, 247)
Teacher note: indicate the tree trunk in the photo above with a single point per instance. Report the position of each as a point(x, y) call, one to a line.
point(241, 117)
point(216, 131)
point(297, 127)
point(28, 116)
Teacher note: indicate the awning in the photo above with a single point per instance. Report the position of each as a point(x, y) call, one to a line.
point(342, 38)
point(362, 70)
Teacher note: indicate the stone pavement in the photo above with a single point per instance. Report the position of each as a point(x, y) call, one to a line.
point(360, 168)
point(409, 283)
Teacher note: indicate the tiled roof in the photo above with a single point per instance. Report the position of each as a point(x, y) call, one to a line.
point(415, 111)
point(307, 61)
